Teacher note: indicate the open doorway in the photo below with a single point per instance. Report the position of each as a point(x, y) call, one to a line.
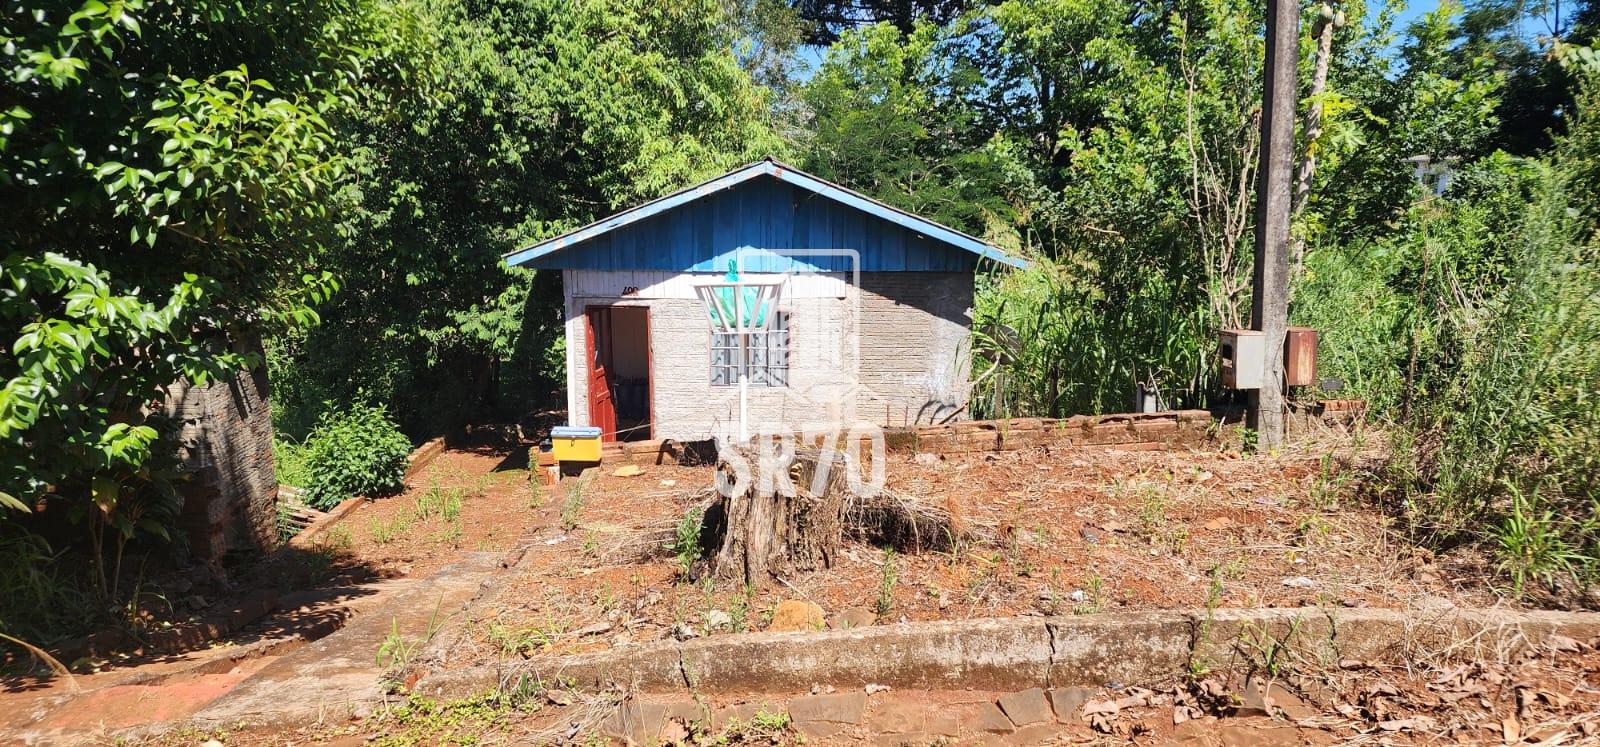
point(619, 372)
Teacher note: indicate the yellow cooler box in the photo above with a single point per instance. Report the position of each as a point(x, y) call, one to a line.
point(575, 443)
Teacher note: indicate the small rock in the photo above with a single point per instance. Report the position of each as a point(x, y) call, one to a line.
point(178, 587)
point(668, 483)
point(684, 631)
point(874, 688)
point(855, 617)
point(793, 615)
point(211, 743)
point(1089, 535)
point(195, 602)
point(1077, 595)
point(559, 697)
point(627, 470)
point(1299, 582)
point(718, 620)
point(927, 459)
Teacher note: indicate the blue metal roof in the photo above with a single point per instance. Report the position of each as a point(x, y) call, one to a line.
point(768, 207)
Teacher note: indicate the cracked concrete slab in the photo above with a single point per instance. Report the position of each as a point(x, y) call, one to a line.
point(339, 674)
point(1014, 653)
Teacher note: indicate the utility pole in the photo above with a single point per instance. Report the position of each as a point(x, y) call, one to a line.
point(1269, 297)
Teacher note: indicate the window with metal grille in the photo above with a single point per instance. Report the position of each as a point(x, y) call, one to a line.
point(768, 356)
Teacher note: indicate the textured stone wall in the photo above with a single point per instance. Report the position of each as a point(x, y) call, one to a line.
point(892, 352)
point(225, 444)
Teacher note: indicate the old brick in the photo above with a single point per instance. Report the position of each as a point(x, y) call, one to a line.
point(839, 708)
point(1066, 701)
point(987, 717)
point(794, 615)
point(1026, 707)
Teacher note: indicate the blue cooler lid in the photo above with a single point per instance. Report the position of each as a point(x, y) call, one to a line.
point(574, 431)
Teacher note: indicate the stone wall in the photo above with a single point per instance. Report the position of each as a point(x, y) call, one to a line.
point(1129, 432)
point(892, 352)
point(225, 444)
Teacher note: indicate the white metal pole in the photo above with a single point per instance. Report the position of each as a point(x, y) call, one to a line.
point(744, 362)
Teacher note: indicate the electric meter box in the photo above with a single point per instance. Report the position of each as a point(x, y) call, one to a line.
point(1300, 356)
point(1243, 354)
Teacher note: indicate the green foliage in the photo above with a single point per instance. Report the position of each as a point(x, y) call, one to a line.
point(40, 601)
point(686, 541)
point(354, 452)
point(289, 459)
point(573, 505)
point(1504, 425)
point(526, 118)
point(887, 580)
point(166, 182)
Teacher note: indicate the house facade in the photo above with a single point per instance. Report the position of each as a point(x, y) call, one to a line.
point(868, 317)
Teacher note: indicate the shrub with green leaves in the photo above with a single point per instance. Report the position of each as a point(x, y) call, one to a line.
point(355, 451)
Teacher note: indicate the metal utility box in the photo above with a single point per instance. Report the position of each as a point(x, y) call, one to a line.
point(1300, 356)
point(1243, 354)
point(575, 443)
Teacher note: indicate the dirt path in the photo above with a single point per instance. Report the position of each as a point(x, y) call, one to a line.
point(427, 552)
point(342, 674)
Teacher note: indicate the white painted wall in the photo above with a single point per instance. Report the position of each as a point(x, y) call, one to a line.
point(893, 353)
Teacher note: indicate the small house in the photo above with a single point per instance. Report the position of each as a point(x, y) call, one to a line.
point(855, 311)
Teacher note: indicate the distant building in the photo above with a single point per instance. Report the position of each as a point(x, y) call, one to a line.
point(1433, 175)
point(871, 319)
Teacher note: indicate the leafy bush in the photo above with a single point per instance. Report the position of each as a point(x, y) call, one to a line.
point(357, 451)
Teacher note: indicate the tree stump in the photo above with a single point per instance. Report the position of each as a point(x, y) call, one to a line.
point(785, 519)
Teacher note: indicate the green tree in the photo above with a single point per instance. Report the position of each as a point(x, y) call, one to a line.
point(531, 117)
point(165, 175)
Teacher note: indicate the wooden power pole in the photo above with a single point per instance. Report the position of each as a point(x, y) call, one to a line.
point(1269, 298)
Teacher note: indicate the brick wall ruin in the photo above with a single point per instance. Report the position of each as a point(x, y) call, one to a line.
point(225, 447)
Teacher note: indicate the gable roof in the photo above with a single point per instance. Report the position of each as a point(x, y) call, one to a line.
point(782, 172)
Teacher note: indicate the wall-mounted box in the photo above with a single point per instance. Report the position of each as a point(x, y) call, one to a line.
point(1243, 354)
point(1300, 356)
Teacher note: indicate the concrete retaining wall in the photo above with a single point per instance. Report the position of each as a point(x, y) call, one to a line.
point(1015, 653)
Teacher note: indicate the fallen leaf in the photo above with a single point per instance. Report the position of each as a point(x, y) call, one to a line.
point(1511, 730)
point(1094, 707)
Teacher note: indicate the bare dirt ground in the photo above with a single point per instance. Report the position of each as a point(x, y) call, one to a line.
point(1076, 532)
point(469, 500)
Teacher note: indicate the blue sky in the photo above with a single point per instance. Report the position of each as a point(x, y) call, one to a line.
point(1416, 10)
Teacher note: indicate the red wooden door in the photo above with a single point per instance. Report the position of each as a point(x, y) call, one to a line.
point(602, 405)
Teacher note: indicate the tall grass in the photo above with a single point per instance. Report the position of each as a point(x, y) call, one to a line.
point(1505, 446)
point(1060, 339)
